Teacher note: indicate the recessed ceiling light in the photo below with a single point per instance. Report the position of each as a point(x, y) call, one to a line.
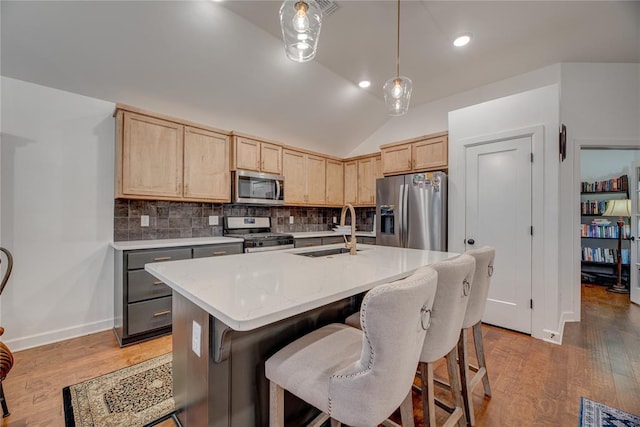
point(364, 84)
point(462, 40)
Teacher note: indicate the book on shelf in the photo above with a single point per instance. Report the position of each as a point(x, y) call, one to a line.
point(604, 231)
point(604, 255)
point(615, 184)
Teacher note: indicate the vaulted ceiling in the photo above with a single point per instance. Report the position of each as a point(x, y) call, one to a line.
point(223, 64)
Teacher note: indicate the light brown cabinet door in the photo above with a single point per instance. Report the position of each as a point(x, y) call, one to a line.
point(151, 157)
point(366, 176)
point(335, 183)
point(316, 180)
point(396, 159)
point(270, 158)
point(430, 154)
point(351, 182)
point(246, 153)
point(295, 176)
point(206, 165)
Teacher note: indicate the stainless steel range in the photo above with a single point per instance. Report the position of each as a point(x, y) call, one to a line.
point(256, 232)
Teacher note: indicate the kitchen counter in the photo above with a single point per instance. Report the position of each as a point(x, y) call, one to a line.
point(253, 290)
point(329, 233)
point(230, 314)
point(170, 243)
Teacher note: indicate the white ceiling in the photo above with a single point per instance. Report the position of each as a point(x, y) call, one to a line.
point(223, 63)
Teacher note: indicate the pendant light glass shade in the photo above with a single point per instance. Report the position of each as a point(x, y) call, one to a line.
point(397, 94)
point(397, 90)
point(300, 22)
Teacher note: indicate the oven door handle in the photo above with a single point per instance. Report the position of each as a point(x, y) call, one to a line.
point(277, 190)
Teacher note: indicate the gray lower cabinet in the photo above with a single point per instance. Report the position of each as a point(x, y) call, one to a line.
point(142, 306)
point(307, 241)
point(366, 240)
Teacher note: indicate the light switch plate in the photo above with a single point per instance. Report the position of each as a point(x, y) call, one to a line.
point(291, 219)
point(213, 220)
point(196, 338)
point(144, 221)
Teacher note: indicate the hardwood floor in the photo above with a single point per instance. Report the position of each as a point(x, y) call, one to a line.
point(533, 382)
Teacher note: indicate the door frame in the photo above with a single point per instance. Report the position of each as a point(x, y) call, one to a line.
point(578, 144)
point(457, 206)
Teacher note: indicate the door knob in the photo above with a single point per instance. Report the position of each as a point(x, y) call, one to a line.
point(470, 242)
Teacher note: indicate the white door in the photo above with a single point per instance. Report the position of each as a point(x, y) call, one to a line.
point(498, 214)
point(634, 192)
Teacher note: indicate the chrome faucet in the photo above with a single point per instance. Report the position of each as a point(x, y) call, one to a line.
point(351, 244)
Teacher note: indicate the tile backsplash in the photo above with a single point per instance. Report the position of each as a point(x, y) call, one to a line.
point(168, 220)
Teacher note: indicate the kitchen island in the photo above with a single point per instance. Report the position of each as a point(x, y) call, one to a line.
point(231, 314)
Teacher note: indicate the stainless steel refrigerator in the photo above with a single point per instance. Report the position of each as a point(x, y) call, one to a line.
point(411, 211)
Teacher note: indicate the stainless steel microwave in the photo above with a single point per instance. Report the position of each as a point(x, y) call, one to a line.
point(258, 188)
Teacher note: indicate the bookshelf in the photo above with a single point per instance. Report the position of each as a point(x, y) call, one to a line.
point(599, 234)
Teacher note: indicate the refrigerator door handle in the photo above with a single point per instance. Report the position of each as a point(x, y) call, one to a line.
point(405, 222)
point(400, 214)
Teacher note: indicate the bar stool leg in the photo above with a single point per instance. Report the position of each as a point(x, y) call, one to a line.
point(276, 405)
point(477, 339)
point(465, 376)
point(454, 378)
point(5, 409)
point(335, 423)
point(428, 396)
point(406, 411)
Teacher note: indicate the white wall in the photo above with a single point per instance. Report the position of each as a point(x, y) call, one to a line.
point(600, 105)
point(433, 117)
point(57, 213)
point(534, 108)
point(599, 165)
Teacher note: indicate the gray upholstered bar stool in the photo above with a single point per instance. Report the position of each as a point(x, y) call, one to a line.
point(455, 277)
point(473, 319)
point(358, 377)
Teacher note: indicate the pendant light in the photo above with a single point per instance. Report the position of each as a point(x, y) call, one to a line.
point(300, 22)
point(397, 90)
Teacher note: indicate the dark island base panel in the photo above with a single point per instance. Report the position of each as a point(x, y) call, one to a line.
point(233, 391)
point(138, 338)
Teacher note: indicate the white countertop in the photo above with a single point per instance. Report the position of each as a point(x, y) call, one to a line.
point(304, 234)
point(170, 243)
point(252, 290)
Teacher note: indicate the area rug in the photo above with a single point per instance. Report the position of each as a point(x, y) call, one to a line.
point(594, 414)
point(134, 396)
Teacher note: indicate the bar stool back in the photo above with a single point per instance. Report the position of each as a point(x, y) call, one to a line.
point(473, 319)
point(359, 377)
point(455, 277)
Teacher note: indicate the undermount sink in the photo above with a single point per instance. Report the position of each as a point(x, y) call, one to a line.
point(325, 252)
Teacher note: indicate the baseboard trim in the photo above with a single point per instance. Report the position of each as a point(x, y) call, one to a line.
point(555, 337)
point(24, 343)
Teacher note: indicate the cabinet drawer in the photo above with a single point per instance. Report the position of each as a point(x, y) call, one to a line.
point(138, 259)
point(147, 315)
point(303, 243)
point(142, 285)
point(333, 240)
point(217, 250)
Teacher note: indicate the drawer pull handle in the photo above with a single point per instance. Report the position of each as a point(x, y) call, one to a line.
point(220, 252)
point(162, 313)
point(162, 258)
point(158, 283)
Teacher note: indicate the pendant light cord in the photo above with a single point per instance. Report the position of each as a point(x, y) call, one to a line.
point(398, 46)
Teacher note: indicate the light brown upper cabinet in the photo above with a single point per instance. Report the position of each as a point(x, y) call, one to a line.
point(351, 182)
point(360, 176)
point(305, 178)
point(415, 155)
point(206, 171)
point(256, 155)
point(335, 182)
point(162, 159)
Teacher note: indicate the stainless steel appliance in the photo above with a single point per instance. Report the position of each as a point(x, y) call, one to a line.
point(256, 232)
point(411, 211)
point(258, 188)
